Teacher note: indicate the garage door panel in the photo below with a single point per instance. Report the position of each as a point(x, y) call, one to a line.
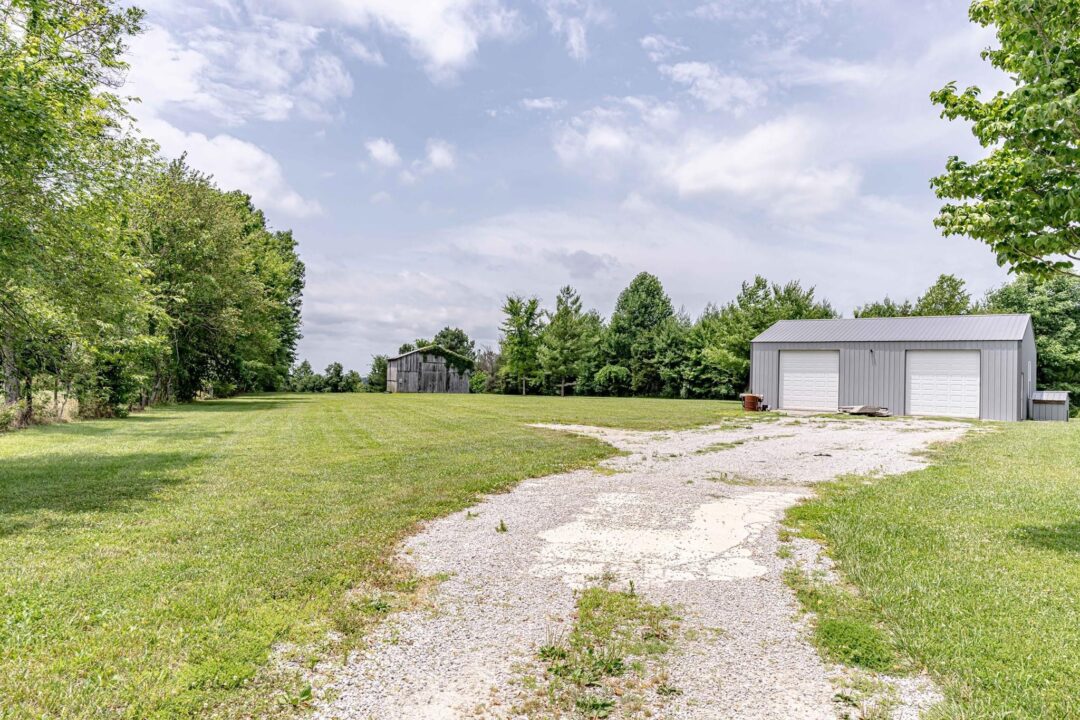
point(809, 379)
point(943, 382)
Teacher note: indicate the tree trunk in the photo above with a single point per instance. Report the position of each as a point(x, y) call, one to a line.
point(522, 384)
point(28, 413)
point(562, 388)
point(7, 367)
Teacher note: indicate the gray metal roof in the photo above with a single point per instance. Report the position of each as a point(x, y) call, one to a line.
point(1050, 396)
point(909, 329)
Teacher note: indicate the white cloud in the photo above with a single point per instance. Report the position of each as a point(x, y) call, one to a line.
point(440, 155)
point(235, 164)
point(715, 89)
point(443, 34)
point(776, 166)
point(571, 20)
point(773, 165)
point(266, 80)
point(383, 152)
point(265, 72)
point(380, 198)
point(362, 52)
point(659, 48)
point(753, 10)
point(543, 103)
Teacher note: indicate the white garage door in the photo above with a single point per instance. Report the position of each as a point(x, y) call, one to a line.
point(943, 382)
point(809, 379)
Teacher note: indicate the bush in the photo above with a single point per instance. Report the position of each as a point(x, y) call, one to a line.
point(9, 413)
point(478, 382)
point(222, 389)
point(613, 379)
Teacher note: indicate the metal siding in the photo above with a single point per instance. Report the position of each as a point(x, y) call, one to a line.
point(879, 378)
point(1029, 354)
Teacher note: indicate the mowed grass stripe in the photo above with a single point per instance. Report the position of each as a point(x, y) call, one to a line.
point(149, 565)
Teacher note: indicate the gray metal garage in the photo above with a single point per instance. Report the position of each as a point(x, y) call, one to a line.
point(978, 366)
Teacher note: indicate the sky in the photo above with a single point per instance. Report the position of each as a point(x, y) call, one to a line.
point(434, 156)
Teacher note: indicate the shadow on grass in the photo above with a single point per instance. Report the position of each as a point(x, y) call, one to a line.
point(1064, 537)
point(241, 404)
point(77, 484)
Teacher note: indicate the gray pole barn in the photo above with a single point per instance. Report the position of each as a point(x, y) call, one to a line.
point(431, 369)
point(978, 366)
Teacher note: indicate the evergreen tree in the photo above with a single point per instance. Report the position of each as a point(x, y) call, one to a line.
point(562, 344)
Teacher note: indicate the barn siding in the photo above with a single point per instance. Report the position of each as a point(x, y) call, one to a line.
point(423, 372)
point(879, 378)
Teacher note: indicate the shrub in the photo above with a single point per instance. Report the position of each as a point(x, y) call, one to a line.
point(478, 382)
point(9, 413)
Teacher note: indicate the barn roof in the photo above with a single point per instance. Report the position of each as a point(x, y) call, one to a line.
point(905, 329)
point(434, 350)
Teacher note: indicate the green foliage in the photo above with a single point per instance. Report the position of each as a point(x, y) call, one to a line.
point(844, 628)
point(632, 337)
point(947, 296)
point(458, 362)
point(456, 341)
point(335, 379)
point(478, 382)
point(1054, 306)
point(376, 379)
point(228, 287)
point(562, 352)
point(122, 279)
point(885, 308)
point(1021, 199)
point(613, 380)
point(520, 341)
point(612, 649)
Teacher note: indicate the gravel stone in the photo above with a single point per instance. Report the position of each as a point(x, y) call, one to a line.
point(690, 517)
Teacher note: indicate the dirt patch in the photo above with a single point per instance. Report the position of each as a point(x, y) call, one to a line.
point(661, 517)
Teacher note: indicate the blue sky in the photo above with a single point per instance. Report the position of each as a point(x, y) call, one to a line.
point(433, 156)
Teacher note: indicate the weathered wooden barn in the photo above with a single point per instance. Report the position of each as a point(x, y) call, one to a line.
point(432, 369)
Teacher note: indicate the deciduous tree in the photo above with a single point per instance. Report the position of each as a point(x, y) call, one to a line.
point(521, 340)
point(1022, 199)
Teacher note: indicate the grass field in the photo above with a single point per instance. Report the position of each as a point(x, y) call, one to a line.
point(970, 569)
point(149, 565)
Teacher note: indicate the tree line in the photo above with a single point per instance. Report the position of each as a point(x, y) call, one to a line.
point(648, 349)
point(125, 279)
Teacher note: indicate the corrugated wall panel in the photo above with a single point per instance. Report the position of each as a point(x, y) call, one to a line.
point(878, 377)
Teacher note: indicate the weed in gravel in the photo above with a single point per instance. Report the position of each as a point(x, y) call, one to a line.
point(612, 650)
point(501, 527)
point(719, 447)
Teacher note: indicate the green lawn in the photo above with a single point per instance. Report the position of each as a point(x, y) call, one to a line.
point(148, 565)
point(971, 568)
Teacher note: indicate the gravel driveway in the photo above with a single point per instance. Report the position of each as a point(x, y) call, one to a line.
point(690, 517)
